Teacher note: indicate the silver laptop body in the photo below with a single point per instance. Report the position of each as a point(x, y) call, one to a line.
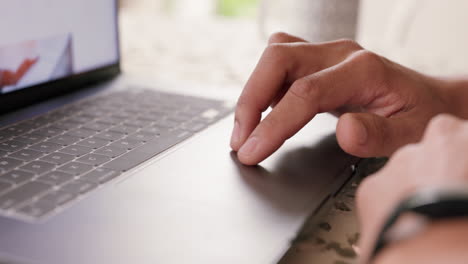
point(192, 202)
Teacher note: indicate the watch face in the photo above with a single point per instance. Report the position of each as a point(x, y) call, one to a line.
point(407, 225)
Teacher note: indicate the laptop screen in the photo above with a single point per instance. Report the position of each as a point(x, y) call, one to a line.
point(47, 40)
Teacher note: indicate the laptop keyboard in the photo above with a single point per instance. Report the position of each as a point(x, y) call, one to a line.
point(52, 160)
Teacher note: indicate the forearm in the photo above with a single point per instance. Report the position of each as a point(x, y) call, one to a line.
point(440, 242)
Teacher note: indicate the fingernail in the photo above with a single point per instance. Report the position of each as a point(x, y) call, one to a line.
point(362, 134)
point(249, 147)
point(235, 133)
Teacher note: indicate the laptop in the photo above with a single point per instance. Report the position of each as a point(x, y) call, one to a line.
point(100, 167)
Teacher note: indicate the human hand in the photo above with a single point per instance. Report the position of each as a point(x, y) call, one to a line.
point(8, 77)
point(438, 160)
point(382, 105)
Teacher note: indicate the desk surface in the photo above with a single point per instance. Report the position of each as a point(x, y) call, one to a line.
point(328, 236)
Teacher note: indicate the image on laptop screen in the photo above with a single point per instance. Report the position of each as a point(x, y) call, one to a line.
point(46, 40)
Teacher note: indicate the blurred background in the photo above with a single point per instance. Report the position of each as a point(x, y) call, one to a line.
point(218, 42)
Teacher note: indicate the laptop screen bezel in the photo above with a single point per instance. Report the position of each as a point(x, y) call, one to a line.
point(40, 92)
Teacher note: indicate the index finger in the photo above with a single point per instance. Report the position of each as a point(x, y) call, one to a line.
point(279, 66)
point(320, 92)
point(265, 82)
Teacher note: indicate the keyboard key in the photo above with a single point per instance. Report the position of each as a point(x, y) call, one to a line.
point(46, 147)
point(122, 115)
point(193, 126)
point(12, 145)
point(17, 176)
point(166, 123)
point(56, 177)
point(131, 112)
point(100, 175)
point(94, 159)
point(37, 209)
point(110, 120)
point(137, 156)
point(80, 119)
point(124, 129)
point(5, 135)
point(75, 168)
point(155, 114)
point(33, 124)
point(40, 121)
point(110, 136)
point(50, 131)
point(81, 133)
point(137, 123)
point(179, 118)
point(111, 151)
point(5, 186)
point(182, 134)
point(143, 136)
point(127, 143)
point(22, 194)
point(58, 158)
point(58, 198)
point(93, 113)
point(76, 150)
point(93, 142)
point(7, 164)
point(32, 138)
point(184, 115)
point(67, 125)
point(158, 131)
point(96, 126)
point(17, 129)
point(55, 116)
point(38, 167)
point(64, 140)
point(26, 154)
point(78, 187)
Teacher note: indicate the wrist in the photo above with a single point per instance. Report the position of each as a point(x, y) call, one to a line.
point(417, 215)
point(441, 242)
point(455, 93)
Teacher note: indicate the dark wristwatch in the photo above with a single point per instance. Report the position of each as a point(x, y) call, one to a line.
point(427, 204)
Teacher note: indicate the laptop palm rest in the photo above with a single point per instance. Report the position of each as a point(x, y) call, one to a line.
point(193, 204)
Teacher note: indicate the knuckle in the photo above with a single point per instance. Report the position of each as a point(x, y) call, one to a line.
point(442, 120)
point(304, 89)
point(270, 123)
point(366, 57)
point(369, 62)
point(279, 37)
point(242, 101)
point(277, 52)
point(441, 124)
point(349, 43)
point(405, 153)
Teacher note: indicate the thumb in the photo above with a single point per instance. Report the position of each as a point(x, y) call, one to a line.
point(370, 135)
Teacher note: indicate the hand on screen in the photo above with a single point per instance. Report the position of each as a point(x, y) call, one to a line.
point(8, 77)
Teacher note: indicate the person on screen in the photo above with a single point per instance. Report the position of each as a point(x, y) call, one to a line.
point(384, 109)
